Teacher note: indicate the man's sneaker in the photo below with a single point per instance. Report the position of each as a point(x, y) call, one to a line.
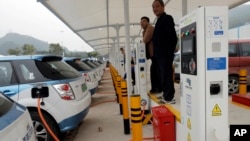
point(163, 101)
point(173, 101)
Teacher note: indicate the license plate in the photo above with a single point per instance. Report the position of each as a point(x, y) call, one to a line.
point(84, 87)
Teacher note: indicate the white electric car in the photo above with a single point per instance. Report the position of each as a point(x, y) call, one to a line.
point(68, 101)
point(89, 74)
point(15, 121)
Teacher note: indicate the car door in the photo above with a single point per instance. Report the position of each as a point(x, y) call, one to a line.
point(8, 82)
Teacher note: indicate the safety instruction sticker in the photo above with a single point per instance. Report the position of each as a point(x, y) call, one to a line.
point(217, 63)
point(189, 137)
point(216, 110)
point(216, 26)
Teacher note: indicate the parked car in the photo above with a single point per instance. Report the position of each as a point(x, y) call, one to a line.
point(99, 70)
point(177, 66)
point(68, 101)
point(15, 121)
point(87, 72)
point(103, 64)
point(90, 63)
point(239, 58)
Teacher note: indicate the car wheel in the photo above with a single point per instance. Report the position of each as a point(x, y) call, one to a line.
point(41, 132)
point(233, 84)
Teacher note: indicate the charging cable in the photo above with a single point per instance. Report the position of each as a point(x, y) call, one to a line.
point(44, 121)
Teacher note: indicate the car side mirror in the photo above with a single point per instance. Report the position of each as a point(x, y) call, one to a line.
point(40, 92)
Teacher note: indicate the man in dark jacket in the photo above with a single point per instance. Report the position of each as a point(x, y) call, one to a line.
point(147, 33)
point(164, 41)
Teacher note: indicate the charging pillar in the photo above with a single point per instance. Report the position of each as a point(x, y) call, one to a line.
point(141, 75)
point(121, 63)
point(204, 74)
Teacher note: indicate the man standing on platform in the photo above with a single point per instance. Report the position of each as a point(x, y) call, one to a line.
point(164, 41)
point(147, 33)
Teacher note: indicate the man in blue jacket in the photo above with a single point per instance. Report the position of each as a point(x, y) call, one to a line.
point(164, 41)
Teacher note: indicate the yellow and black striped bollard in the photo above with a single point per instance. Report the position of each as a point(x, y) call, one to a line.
point(118, 89)
point(125, 109)
point(243, 82)
point(136, 118)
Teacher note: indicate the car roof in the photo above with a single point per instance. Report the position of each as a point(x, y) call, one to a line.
point(71, 58)
point(33, 57)
point(239, 41)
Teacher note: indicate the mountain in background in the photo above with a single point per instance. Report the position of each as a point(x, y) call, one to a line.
point(15, 40)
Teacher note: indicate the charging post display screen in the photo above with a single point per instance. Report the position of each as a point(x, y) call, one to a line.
point(188, 50)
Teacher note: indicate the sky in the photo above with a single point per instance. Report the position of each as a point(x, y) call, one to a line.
point(29, 17)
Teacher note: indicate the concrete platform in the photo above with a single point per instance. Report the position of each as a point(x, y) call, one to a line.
point(104, 121)
point(241, 99)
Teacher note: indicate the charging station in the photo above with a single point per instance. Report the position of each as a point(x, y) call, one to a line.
point(141, 75)
point(121, 63)
point(204, 74)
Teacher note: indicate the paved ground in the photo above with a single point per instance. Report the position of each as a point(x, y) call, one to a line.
point(104, 121)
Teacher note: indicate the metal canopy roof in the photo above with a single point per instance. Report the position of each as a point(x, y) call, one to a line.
point(100, 23)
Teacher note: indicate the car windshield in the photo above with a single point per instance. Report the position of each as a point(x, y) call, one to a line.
point(85, 66)
point(57, 70)
point(89, 66)
point(79, 65)
point(96, 63)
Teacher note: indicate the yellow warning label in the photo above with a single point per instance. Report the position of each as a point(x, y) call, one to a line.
point(189, 137)
point(216, 110)
point(189, 123)
point(142, 75)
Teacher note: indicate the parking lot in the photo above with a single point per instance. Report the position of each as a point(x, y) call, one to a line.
point(104, 121)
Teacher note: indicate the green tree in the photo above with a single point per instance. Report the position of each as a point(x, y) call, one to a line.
point(77, 54)
point(92, 54)
point(28, 49)
point(55, 49)
point(15, 51)
point(42, 52)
